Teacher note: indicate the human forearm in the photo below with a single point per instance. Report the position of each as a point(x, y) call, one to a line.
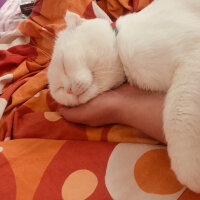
point(143, 111)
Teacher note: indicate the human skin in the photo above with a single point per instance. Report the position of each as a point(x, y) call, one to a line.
point(125, 105)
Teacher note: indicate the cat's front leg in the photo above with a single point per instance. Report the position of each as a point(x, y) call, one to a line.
point(102, 81)
point(181, 119)
point(92, 92)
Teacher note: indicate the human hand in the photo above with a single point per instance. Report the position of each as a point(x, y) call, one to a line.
point(102, 110)
point(125, 105)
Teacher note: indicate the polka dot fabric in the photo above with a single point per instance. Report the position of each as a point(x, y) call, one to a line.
point(41, 169)
point(42, 156)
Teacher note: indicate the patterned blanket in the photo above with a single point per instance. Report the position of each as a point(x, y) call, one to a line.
point(63, 160)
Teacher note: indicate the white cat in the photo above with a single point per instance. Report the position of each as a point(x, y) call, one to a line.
point(85, 61)
point(159, 48)
point(160, 51)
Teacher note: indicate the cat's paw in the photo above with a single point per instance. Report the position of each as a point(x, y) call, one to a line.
point(89, 94)
point(185, 163)
point(81, 82)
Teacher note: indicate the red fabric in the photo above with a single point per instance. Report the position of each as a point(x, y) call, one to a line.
point(9, 60)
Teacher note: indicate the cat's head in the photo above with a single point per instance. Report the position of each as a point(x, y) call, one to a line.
point(66, 56)
point(83, 45)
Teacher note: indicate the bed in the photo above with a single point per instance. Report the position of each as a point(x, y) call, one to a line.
point(42, 156)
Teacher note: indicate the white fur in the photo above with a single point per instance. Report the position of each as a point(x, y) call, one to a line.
point(160, 50)
point(85, 59)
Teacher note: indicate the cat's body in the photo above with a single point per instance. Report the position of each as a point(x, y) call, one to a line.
point(155, 41)
point(161, 52)
point(159, 48)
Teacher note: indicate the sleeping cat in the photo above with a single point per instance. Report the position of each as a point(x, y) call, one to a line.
point(159, 48)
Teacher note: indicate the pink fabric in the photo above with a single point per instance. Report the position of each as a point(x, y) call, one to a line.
point(2, 2)
point(10, 15)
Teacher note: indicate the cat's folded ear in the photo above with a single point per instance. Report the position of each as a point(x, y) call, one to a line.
point(73, 20)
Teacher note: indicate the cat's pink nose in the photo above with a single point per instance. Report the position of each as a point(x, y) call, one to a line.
point(69, 90)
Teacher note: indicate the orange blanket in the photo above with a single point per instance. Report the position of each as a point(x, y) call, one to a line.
point(71, 161)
